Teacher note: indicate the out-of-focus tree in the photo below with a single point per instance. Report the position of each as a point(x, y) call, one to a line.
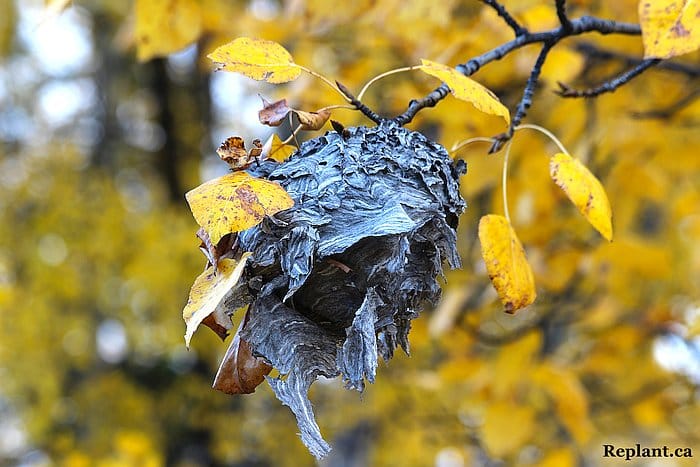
point(108, 112)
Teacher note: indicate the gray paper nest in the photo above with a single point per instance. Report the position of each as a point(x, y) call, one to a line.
point(342, 273)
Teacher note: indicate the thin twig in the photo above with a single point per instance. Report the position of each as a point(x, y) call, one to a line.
point(376, 118)
point(579, 26)
point(610, 85)
point(561, 14)
point(510, 21)
point(526, 100)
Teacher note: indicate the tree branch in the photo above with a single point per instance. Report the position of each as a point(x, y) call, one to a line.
point(561, 14)
point(525, 101)
point(579, 26)
point(610, 85)
point(510, 21)
point(369, 113)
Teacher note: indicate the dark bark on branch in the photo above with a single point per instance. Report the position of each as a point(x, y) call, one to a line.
point(369, 113)
point(510, 21)
point(576, 27)
point(525, 101)
point(610, 85)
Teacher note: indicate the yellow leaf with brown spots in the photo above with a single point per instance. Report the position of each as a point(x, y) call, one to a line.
point(258, 59)
point(506, 264)
point(669, 27)
point(165, 26)
point(584, 190)
point(208, 290)
point(467, 89)
point(235, 202)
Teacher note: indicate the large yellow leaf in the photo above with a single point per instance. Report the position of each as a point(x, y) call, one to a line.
point(207, 292)
point(506, 263)
point(235, 202)
point(165, 26)
point(669, 27)
point(258, 59)
point(584, 190)
point(467, 89)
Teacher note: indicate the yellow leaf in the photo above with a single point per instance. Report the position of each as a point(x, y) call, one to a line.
point(669, 27)
point(467, 89)
point(276, 150)
point(207, 292)
point(258, 59)
point(584, 190)
point(506, 263)
point(235, 202)
point(165, 26)
point(507, 427)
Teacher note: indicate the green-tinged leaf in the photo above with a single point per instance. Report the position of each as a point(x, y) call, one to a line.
point(258, 59)
point(467, 89)
point(584, 190)
point(669, 27)
point(207, 292)
point(506, 263)
point(235, 202)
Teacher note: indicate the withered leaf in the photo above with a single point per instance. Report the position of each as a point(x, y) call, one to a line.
point(240, 372)
point(232, 151)
point(313, 120)
point(224, 249)
point(207, 292)
point(273, 113)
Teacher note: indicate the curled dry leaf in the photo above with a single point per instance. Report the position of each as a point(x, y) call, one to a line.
point(506, 263)
point(313, 120)
point(224, 249)
point(467, 89)
point(232, 151)
point(207, 292)
point(240, 372)
point(584, 190)
point(275, 149)
point(235, 202)
point(258, 59)
point(273, 113)
point(669, 27)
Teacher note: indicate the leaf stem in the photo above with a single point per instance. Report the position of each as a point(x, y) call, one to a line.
point(478, 139)
point(505, 179)
point(337, 106)
point(386, 73)
point(545, 132)
point(324, 79)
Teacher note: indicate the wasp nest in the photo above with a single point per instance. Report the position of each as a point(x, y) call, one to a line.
point(338, 278)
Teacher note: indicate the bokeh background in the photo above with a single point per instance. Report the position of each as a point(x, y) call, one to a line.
point(100, 137)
